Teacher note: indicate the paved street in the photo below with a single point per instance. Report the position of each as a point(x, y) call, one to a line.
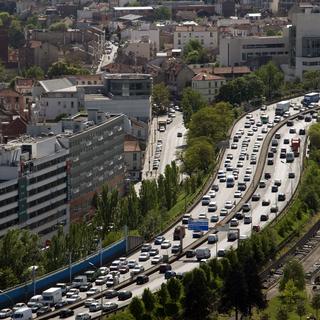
point(107, 58)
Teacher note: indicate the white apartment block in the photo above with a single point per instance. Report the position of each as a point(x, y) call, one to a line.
point(208, 85)
point(34, 186)
point(207, 36)
point(144, 33)
point(304, 40)
point(235, 51)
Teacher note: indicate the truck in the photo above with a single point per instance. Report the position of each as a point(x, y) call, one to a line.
point(179, 233)
point(264, 118)
point(310, 97)
point(52, 296)
point(282, 107)
point(79, 281)
point(295, 146)
point(203, 253)
point(24, 313)
point(230, 181)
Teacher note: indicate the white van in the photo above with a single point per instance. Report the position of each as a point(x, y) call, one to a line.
point(51, 296)
point(79, 281)
point(22, 314)
point(34, 300)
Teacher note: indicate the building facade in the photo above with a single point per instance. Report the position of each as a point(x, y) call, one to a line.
point(34, 186)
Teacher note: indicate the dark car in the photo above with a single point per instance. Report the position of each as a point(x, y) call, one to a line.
point(267, 175)
point(169, 274)
point(265, 202)
point(239, 215)
point(242, 186)
point(270, 154)
point(85, 287)
point(302, 132)
point(110, 294)
point(300, 116)
point(215, 187)
point(290, 123)
point(110, 306)
point(255, 197)
point(283, 155)
point(36, 307)
point(270, 162)
point(274, 189)
point(65, 313)
point(158, 240)
point(190, 253)
point(179, 134)
point(274, 209)
point(291, 175)
point(60, 305)
point(124, 295)
point(286, 141)
point(142, 279)
point(281, 197)
point(164, 267)
point(43, 310)
point(256, 228)
point(146, 247)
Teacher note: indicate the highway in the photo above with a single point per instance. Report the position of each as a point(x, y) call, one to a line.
point(279, 170)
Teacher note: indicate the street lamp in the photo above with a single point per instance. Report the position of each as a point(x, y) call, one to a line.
point(6, 295)
point(100, 229)
point(33, 269)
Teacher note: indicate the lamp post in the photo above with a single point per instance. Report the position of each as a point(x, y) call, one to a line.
point(33, 269)
point(6, 295)
point(100, 229)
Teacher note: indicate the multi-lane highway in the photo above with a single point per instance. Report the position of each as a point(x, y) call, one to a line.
point(250, 142)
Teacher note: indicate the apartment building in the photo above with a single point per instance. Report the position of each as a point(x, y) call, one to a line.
point(56, 97)
point(253, 50)
point(34, 185)
point(304, 40)
point(208, 85)
point(95, 141)
point(207, 36)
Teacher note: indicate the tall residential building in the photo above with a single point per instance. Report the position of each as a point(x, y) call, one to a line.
point(33, 185)
point(304, 40)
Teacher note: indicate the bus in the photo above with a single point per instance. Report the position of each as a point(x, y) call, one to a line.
point(264, 118)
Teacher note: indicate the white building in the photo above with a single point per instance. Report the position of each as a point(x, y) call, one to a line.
point(208, 85)
point(55, 97)
point(304, 40)
point(34, 186)
point(235, 51)
point(207, 36)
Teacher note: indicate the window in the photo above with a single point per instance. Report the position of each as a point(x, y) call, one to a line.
point(72, 104)
point(59, 102)
point(134, 156)
point(179, 35)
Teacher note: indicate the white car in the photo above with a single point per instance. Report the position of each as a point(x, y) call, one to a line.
point(238, 194)
point(248, 170)
point(264, 130)
point(259, 137)
point(89, 301)
point(165, 244)
point(228, 205)
point(74, 298)
point(137, 269)
point(240, 164)
point(202, 215)
point(212, 194)
point(144, 256)
point(103, 271)
point(92, 291)
point(157, 259)
point(132, 264)
point(5, 313)
point(101, 280)
point(72, 292)
point(234, 222)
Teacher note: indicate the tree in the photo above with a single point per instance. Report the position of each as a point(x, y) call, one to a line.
point(314, 134)
point(62, 68)
point(194, 52)
point(272, 78)
point(163, 294)
point(174, 289)
point(282, 313)
point(136, 308)
point(58, 26)
point(149, 300)
point(316, 303)
point(293, 270)
point(162, 13)
point(16, 34)
point(311, 80)
point(34, 72)
point(198, 296)
point(121, 316)
point(290, 294)
point(160, 97)
point(191, 102)
point(301, 308)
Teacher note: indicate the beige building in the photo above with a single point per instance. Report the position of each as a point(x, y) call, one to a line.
point(133, 157)
point(207, 36)
point(208, 85)
point(141, 49)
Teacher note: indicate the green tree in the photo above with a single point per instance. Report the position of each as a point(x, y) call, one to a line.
point(34, 72)
point(174, 289)
point(311, 80)
point(124, 315)
point(163, 294)
point(315, 302)
point(290, 294)
point(58, 26)
point(162, 13)
point(149, 300)
point(301, 308)
point(160, 97)
point(272, 78)
point(191, 102)
point(16, 35)
point(194, 52)
point(314, 135)
point(282, 313)
point(293, 270)
point(61, 68)
point(136, 308)
point(7, 278)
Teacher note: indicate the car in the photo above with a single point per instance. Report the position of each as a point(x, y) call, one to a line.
point(124, 295)
point(215, 187)
point(110, 306)
point(283, 155)
point(65, 313)
point(281, 197)
point(157, 259)
point(110, 294)
point(18, 305)
point(205, 200)
point(274, 189)
point(197, 234)
point(292, 130)
point(277, 182)
point(158, 240)
point(302, 132)
point(169, 274)
point(202, 215)
point(264, 130)
point(179, 134)
point(239, 215)
point(239, 164)
point(190, 253)
point(234, 146)
point(270, 162)
point(266, 202)
point(259, 137)
point(238, 194)
point(95, 306)
point(83, 316)
point(228, 204)
point(146, 247)
point(234, 223)
point(256, 228)
point(223, 212)
point(274, 209)
point(60, 305)
point(291, 175)
point(214, 218)
point(176, 248)
point(247, 219)
point(264, 217)
point(212, 207)
point(267, 175)
point(132, 264)
point(74, 298)
point(212, 194)
point(102, 279)
point(286, 141)
point(246, 207)
point(242, 186)
point(308, 119)
point(5, 313)
point(232, 236)
point(289, 123)
point(153, 252)
point(36, 306)
point(43, 310)
point(246, 178)
point(165, 244)
point(144, 256)
point(142, 279)
point(229, 156)
point(256, 197)
point(92, 292)
point(221, 253)
point(85, 287)
point(137, 269)
point(262, 184)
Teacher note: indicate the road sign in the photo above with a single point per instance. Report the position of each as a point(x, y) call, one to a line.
point(198, 224)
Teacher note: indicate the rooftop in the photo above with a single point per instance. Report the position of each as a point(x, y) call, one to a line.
point(127, 76)
point(57, 85)
point(131, 8)
point(206, 77)
point(131, 146)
